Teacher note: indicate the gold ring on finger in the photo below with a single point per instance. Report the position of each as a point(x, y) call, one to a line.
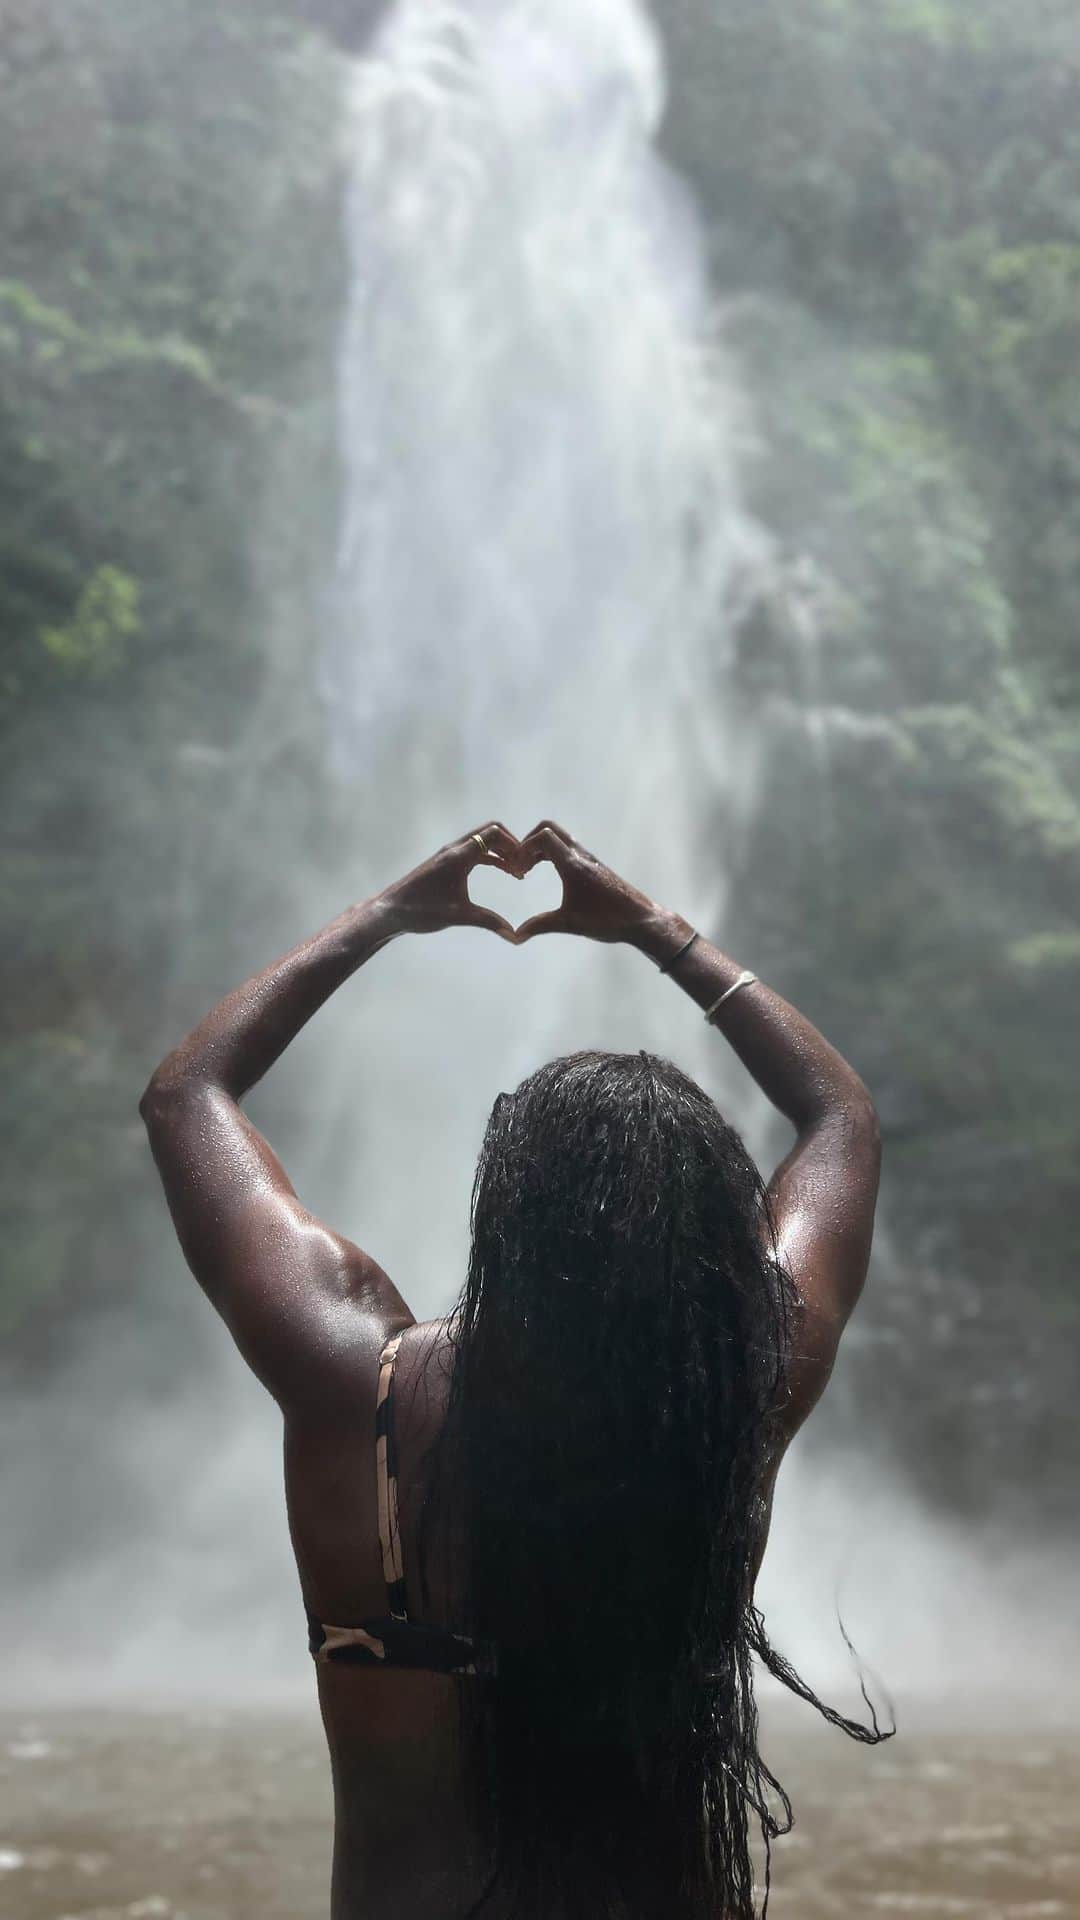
point(479, 842)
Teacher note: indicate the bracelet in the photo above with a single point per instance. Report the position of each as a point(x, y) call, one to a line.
point(668, 964)
point(743, 980)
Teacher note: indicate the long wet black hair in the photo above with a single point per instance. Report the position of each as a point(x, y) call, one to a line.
point(599, 1483)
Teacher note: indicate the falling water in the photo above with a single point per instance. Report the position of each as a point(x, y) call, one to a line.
point(540, 538)
point(539, 532)
point(530, 615)
point(540, 517)
point(540, 535)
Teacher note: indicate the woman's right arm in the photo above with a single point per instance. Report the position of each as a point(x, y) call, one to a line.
point(823, 1194)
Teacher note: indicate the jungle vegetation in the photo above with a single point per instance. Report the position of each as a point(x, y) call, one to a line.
point(892, 195)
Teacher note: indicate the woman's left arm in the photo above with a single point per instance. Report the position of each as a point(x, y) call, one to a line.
point(300, 1300)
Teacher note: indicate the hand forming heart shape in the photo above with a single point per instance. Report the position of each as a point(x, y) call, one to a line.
point(516, 898)
point(594, 901)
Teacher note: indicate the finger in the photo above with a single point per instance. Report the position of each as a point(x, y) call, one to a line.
point(484, 917)
point(552, 826)
point(543, 843)
point(541, 923)
point(501, 847)
point(575, 845)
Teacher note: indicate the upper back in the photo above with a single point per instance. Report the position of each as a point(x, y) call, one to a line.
point(402, 1846)
point(330, 1478)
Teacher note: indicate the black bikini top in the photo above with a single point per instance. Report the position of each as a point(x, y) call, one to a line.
point(392, 1639)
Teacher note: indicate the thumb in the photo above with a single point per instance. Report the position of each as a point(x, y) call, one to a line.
point(552, 922)
point(484, 917)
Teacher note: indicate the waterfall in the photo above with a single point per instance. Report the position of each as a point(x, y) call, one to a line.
point(540, 543)
point(538, 532)
point(539, 513)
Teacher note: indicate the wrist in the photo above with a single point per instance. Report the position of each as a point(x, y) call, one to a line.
point(660, 934)
point(380, 919)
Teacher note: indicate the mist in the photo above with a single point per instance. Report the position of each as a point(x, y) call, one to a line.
point(535, 588)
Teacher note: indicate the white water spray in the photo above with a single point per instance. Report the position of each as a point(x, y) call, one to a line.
point(527, 618)
point(540, 517)
point(530, 616)
point(539, 532)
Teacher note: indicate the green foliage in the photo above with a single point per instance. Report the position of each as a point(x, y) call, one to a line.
point(892, 195)
point(171, 277)
point(1017, 789)
point(94, 641)
point(28, 318)
point(1037, 954)
point(892, 190)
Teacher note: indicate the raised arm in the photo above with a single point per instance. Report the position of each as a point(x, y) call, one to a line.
point(304, 1304)
point(823, 1194)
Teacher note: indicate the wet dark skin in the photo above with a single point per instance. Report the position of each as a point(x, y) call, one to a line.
point(310, 1311)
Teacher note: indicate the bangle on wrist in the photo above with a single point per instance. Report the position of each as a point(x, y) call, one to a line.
point(743, 980)
point(687, 944)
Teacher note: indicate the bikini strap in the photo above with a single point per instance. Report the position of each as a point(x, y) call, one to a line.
point(386, 1472)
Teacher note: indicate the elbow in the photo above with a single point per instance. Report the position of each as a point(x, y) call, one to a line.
point(165, 1090)
point(865, 1123)
point(152, 1099)
point(860, 1101)
point(857, 1102)
point(848, 1104)
point(851, 1116)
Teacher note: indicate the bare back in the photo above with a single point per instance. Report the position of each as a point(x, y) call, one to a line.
point(401, 1842)
point(402, 1846)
